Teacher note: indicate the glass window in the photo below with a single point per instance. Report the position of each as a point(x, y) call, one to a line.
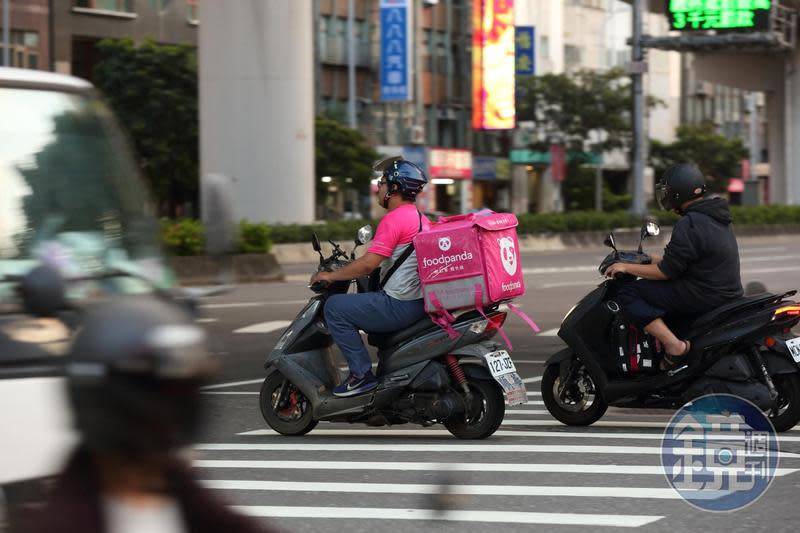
point(71, 191)
point(544, 46)
point(124, 6)
point(191, 7)
point(572, 55)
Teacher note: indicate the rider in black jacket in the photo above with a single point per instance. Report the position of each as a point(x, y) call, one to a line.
point(699, 270)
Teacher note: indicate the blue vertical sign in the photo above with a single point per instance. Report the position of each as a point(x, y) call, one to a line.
point(525, 56)
point(395, 50)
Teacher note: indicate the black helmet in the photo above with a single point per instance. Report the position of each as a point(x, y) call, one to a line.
point(133, 373)
point(681, 183)
point(401, 176)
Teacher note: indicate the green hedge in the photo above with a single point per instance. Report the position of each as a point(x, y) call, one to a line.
point(185, 237)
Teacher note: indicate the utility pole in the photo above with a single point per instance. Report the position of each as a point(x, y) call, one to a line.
point(637, 70)
point(6, 34)
point(351, 65)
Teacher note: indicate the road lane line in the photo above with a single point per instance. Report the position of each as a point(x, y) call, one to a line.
point(497, 517)
point(532, 380)
point(539, 468)
point(232, 384)
point(438, 433)
point(265, 327)
point(467, 490)
point(451, 448)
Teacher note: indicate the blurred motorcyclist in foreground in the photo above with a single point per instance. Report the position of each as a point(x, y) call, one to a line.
point(133, 377)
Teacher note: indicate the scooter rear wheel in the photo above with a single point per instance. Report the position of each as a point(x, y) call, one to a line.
point(294, 419)
point(489, 409)
point(787, 415)
point(582, 407)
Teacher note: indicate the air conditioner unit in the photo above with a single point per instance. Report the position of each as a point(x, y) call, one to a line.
point(417, 134)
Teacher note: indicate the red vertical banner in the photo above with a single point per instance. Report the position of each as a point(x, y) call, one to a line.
point(558, 162)
point(745, 169)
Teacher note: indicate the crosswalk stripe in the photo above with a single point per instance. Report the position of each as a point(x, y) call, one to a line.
point(600, 423)
point(532, 380)
point(436, 433)
point(470, 490)
point(556, 468)
point(509, 517)
point(450, 448)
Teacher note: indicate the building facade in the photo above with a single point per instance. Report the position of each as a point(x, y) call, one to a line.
point(29, 34)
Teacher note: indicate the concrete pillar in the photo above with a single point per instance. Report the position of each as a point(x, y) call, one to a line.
point(257, 107)
point(776, 137)
point(519, 189)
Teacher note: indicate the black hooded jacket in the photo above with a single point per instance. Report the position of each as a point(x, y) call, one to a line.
point(702, 257)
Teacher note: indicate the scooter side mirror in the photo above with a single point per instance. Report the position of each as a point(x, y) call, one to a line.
point(315, 243)
point(364, 235)
point(652, 229)
point(610, 242)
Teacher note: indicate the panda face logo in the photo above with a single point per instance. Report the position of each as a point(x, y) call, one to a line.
point(444, 243)
point(508, 255)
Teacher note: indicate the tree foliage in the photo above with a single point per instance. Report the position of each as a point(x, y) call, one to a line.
point(341, 153)
point(571, 109)
point(718, 156)
point(153, 90)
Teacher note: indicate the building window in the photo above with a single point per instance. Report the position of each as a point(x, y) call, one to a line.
point(191, 8)
point(544, 46)
point(572, 55)
point(124, 6)
point(24, 51)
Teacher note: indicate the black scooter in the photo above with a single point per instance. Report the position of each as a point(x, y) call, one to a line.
point(425, 376)
point(744, 348)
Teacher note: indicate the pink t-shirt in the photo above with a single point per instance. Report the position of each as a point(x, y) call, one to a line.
point(396, 231)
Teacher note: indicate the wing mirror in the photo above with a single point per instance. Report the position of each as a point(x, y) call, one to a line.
point(650, 229)
point(610, 242)
point(364, 235)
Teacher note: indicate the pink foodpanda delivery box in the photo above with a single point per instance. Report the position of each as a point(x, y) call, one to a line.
point(469, 261)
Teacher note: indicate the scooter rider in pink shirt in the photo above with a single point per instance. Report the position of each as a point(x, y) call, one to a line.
point(399, 303)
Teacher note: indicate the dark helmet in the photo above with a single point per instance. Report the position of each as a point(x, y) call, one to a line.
point(401, 176)
point(133, 373)
point(680, 183)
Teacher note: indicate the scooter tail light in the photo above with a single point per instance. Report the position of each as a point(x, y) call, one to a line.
point(769, 342)
point(496, 322)
point(791, 310)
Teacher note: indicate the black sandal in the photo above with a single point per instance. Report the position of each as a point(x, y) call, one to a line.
point(671, 361)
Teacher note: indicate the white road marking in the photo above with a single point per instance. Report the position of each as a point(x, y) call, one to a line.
point(452, 448)
point(437, 433)
point(230, 393)
point(206, 320)
point(265, 327)
point(771, 270)
point(601, 423)
point(769, 258)
point(763, 249)
point(548, 333)
point(471, 490)
point(586, 283)
point(234, 305)
point(528, 361)
point(232, 384)
point(541, 468)
point(532, 380)
point(558, 270)
point(499, 517)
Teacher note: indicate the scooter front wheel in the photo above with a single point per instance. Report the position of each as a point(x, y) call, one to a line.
point(295, 417)
point(576, 403)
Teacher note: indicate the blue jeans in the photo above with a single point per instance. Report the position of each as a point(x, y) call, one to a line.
point(375, 312)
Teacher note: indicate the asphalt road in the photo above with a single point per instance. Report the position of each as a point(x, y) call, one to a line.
point(534, 473)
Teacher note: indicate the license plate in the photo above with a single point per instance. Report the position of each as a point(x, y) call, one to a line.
point(794, 348)
point(505, 374)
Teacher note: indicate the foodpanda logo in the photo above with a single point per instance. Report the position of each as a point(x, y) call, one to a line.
point(508, 255)
point(444, 260)
point(444, 243)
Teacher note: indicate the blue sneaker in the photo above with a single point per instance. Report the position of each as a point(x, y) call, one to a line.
point(355, 385)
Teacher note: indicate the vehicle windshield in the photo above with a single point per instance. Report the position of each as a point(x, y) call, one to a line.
point(71, 195)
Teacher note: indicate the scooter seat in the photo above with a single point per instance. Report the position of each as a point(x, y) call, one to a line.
point(424, 326)
point(384, 340)
point(702, 323)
